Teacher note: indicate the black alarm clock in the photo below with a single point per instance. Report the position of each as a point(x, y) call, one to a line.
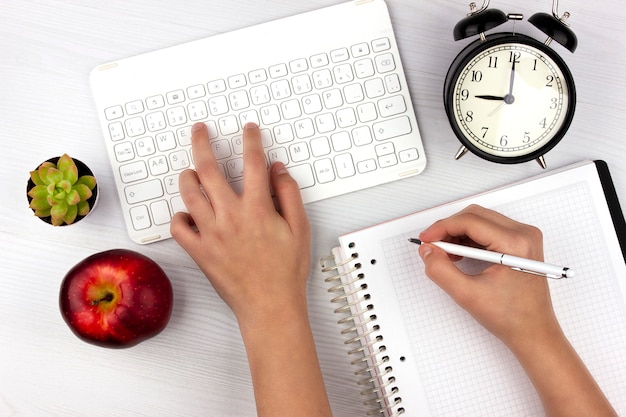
point(509, 97)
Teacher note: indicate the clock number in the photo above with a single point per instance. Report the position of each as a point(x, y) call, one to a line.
point(477, 76)
point(526, 137)
point(550, 79)
point(469, 116)
point(515, 56)
point(504, 140)
point(485, 130)
point(493, 62)
point(543, 123)
point(535, 66)
point(554, 104)
point(465, 94)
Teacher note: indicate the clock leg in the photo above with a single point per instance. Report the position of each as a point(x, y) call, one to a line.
point(462, 151)
point(542, 162)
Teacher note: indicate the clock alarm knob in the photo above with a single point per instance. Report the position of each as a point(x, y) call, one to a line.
point(479, 21)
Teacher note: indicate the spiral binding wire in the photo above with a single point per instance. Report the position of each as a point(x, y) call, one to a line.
point(382, 398)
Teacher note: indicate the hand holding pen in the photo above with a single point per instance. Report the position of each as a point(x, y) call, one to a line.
point(515, 306)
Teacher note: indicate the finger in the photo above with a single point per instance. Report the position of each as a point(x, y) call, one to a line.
point(184, 232)
point(255, 180)
point(209, 173)
point(289, 199)
point(489, 229)
point(443, 272)
point(194, 198)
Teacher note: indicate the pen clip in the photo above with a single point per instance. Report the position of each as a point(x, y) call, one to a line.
point(551, 276)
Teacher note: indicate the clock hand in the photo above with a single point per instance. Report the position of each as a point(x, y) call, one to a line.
point(487, 97)
point(509, 98)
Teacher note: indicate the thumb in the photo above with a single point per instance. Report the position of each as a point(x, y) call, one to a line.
point(443, 272)
point(289, 198)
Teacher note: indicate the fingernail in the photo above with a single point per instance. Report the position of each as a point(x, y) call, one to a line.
point(250, 125)
point(425, 251)
point(279, 168)
point(197, 127)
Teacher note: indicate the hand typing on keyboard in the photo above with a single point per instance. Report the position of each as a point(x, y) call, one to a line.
point(258, 261)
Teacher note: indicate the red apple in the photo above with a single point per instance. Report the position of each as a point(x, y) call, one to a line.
point(116, 298)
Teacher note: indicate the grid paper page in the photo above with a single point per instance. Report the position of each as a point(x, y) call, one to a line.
point(462, 369)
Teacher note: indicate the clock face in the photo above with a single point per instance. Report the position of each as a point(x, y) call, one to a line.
point(510, 101)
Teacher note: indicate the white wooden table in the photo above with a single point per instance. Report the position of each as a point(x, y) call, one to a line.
point(197, 366)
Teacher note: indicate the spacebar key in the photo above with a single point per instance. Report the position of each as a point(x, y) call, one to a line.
point(392, 128)
point(144, 191)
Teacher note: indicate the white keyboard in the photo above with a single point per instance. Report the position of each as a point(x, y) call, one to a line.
point(326, 87)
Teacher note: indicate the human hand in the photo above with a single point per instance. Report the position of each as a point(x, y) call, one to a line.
point(514, 306)
point(256, 258)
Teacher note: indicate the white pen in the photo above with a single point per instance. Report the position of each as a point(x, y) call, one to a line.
point(515, 262)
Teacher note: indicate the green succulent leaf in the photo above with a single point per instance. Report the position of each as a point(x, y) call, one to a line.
point(67, 166)
point(70, 216)
point(38, 191)
point(43, 172)
point(83, 190)
point(72, 198)
point(35, 178)
point(83, 208)
point(88, 180)
point(39, 203)
point(58, 211)
point(65, 185)
point(42, 213)
point(54, 176)
point(53, 201)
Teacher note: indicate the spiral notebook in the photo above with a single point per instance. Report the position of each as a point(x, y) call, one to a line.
point(417, 353)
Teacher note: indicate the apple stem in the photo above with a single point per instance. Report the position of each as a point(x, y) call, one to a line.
point(107, 297)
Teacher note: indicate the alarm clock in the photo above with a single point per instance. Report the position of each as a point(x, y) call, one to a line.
point(510, 98)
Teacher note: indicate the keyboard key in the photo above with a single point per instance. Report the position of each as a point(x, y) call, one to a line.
point(134, 107)
point(235, 168)
point(175, 97)
point(302, 84)
point(374, 88)
point(178, 205)
point(366, 166)
point(218, 105)
point(124, 151)
point(165, 141)
point(360, 50)
point(197, 111)
point(221, 149)
point(346, 117)
point(228, 125)
point(260, 95)
point(257, 76)
point(155, 102)
point(325, 123)
point(237, 81)
point(278, 155)
point(299, 152)
point(145, 146)
point(312, 104)
point(133, 172)
point(156, 121)
point(392, 128)
point(113, 113)
point(320, 146)
point(216, 86)
point(283, 133)
point(270, 114)
point(160, 212)
point(388, 160)
point(391, 106)
point(341, 141)
point(277, 71)
point(158, 165)
point(298, 65)
point(140, 217)
point(322, 79)
point(381, 44)
point(364, 68)
point(385, 149)
point(239, 100)
point(290, 109)
point(392, 81)
point(304, 128)
point(362, 136)
point(250, 116)
point(324, 170)
point(408, 155)
point(171, 184)
point(332, 98)
point(339, 55)
point(179, 160)
point(176, 116)
point(385, 63)
point(196, 91)
point(134, 126)
point(353, 93)
point(303, 174)
point(319, 60)
point(366, 112)
point(281, 89)
point(345, 165)
point(144, 191)
point(343, 73)
point(116, 131)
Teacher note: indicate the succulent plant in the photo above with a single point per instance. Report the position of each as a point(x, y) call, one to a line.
point(59, 193)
